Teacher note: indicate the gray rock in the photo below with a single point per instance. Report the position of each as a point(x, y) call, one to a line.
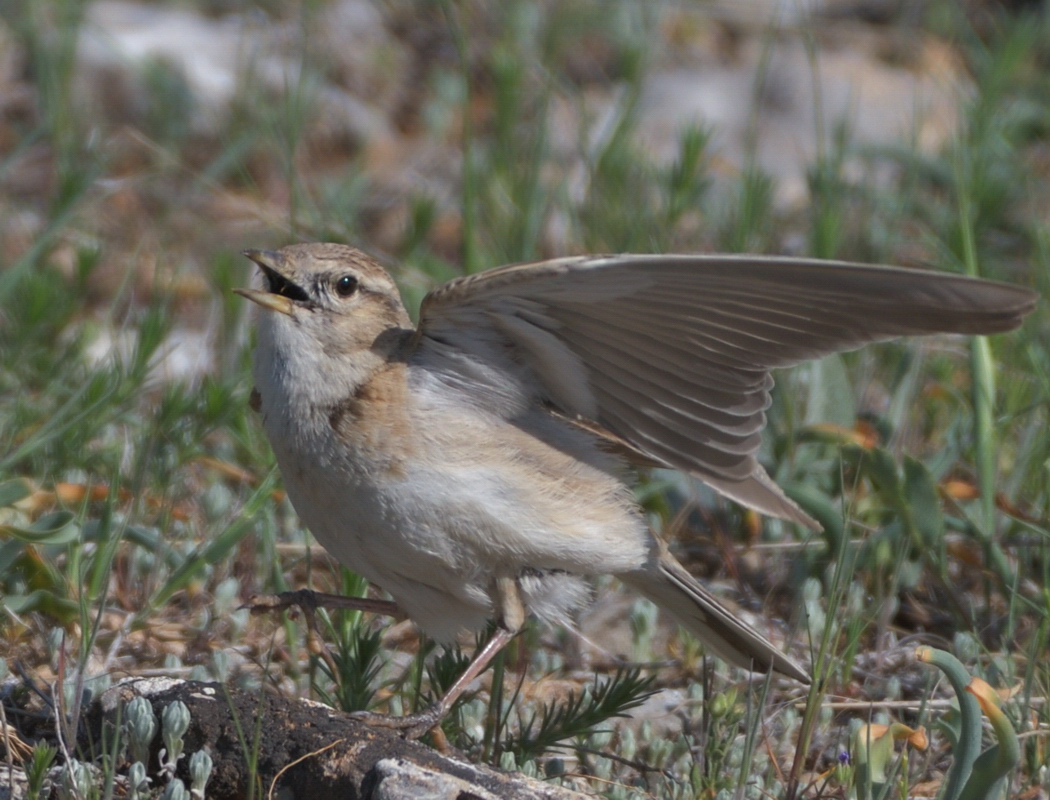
point(217, 58)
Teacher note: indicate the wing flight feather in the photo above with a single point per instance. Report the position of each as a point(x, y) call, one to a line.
point(672, 354)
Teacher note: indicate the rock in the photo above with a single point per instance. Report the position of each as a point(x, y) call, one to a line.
point(13, 783)
point(305, 749)
point(121, 42)
point(773, 93)
point(119, 39)
point(876, 102)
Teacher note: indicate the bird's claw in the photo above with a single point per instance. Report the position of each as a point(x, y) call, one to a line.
point(410, 726)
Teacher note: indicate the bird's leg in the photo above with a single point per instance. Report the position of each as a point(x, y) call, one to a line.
point(309, 601)
point(511, 621)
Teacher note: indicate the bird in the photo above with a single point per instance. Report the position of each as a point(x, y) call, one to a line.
point(476, 465)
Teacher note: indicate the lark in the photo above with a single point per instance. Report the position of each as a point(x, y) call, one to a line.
point(476, 465)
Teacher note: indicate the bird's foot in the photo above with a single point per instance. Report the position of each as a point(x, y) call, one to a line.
point(309, 601)
point(410, 726)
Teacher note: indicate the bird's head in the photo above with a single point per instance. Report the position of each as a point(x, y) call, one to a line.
point(330, 312)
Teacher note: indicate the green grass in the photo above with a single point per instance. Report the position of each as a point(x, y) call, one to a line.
point(137, 511)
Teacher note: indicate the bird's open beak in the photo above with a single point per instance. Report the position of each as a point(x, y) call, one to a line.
point(282, 293)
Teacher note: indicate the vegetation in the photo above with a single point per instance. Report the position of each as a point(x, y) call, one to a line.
point(139, 503)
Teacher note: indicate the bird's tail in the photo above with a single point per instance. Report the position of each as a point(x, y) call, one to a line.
point(668, 585)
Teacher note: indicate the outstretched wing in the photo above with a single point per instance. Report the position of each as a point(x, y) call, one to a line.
point(672, 354)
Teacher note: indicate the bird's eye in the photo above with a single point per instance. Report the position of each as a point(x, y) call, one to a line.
point(346, 286)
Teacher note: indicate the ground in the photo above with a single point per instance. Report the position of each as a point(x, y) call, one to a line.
point(143, 145)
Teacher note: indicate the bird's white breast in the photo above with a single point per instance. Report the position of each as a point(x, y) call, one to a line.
point(431, 498)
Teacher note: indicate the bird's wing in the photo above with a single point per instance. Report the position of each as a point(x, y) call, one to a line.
point(672, 354)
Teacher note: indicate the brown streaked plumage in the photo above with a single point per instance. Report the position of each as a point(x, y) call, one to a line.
point(472, 467)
